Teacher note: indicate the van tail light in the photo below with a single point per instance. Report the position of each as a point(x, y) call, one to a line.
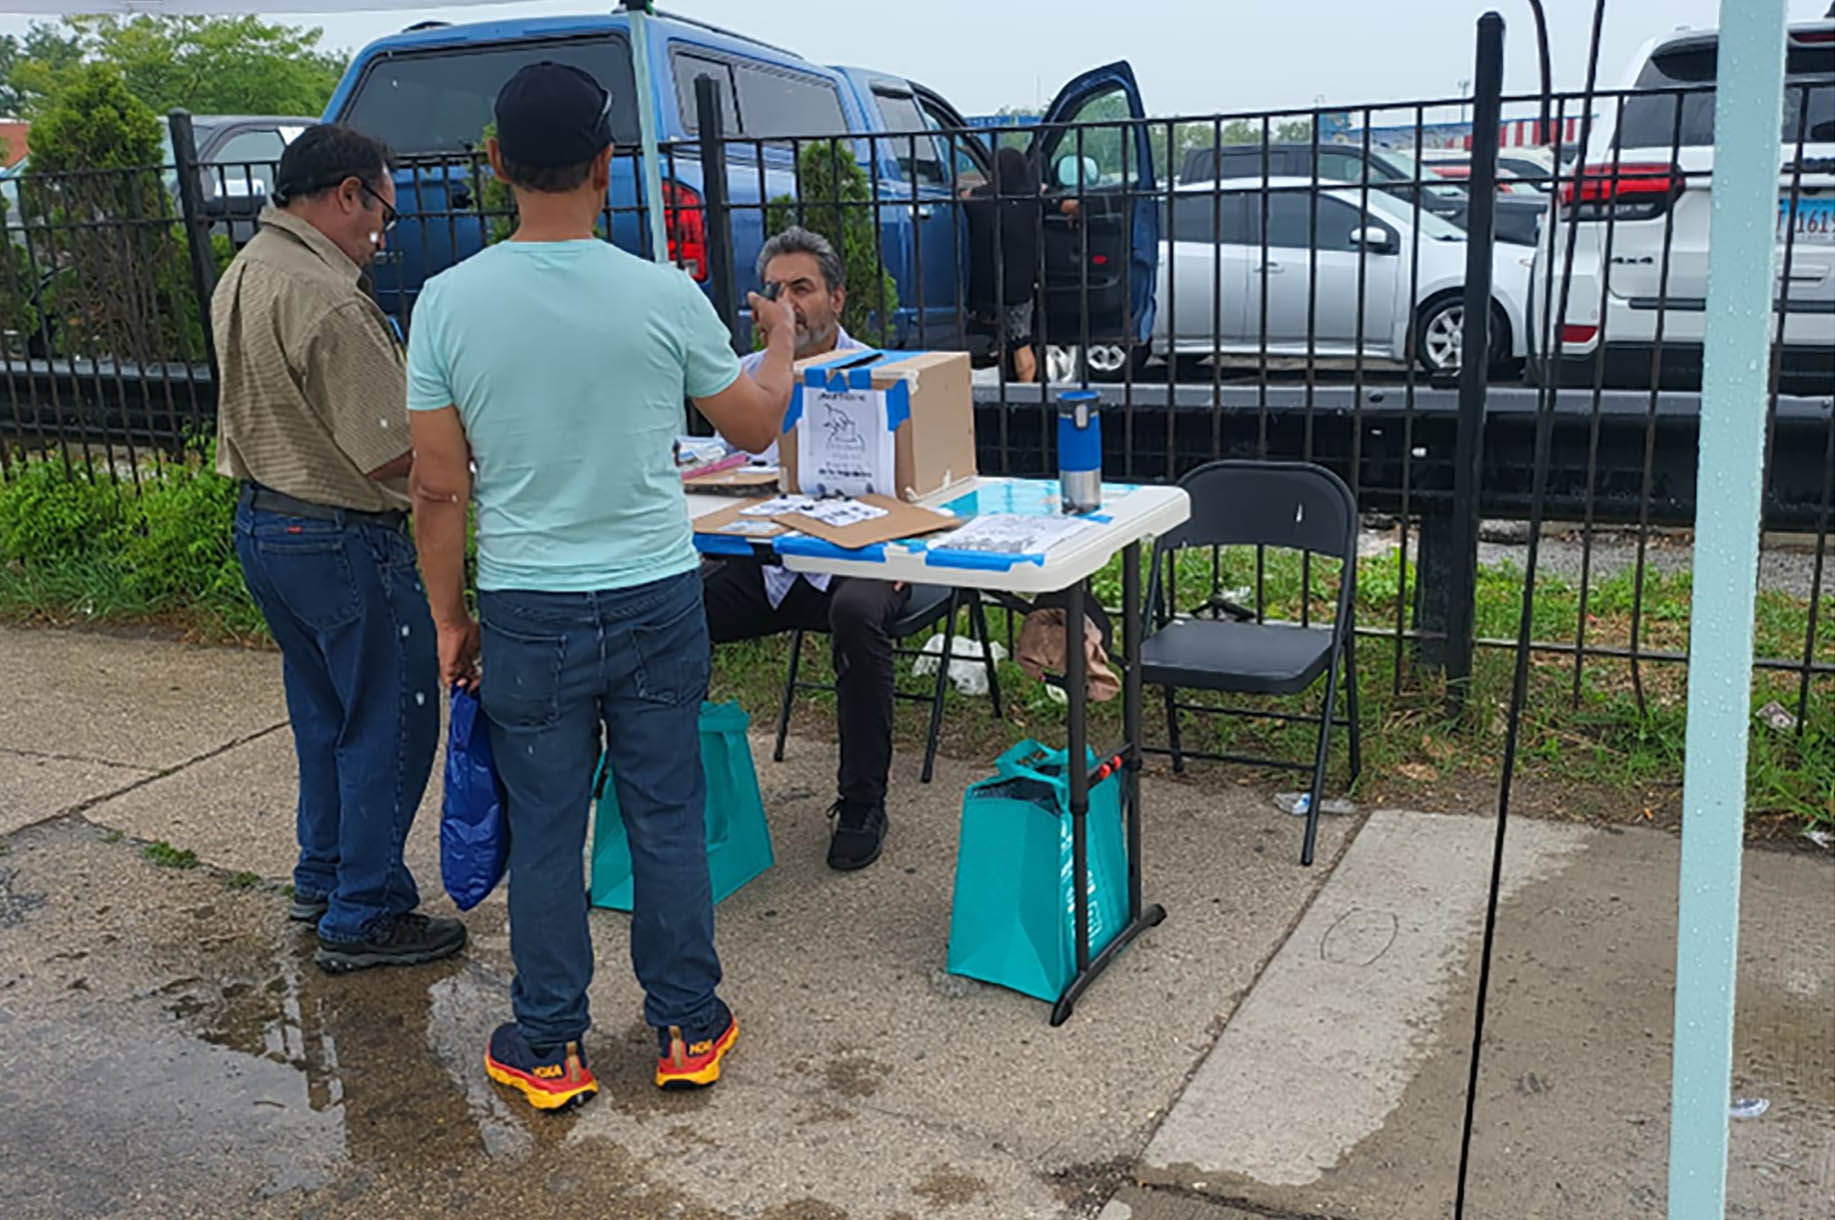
point(1814, 36)
point(1573, 332)
point(1631, 191)
point(687, 225)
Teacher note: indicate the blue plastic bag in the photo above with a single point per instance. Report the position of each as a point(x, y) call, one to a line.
point(474, 836)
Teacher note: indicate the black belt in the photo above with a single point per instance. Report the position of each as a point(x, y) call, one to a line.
point(267, 500)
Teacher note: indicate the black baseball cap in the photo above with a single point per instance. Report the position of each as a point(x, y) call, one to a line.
point(552, 115)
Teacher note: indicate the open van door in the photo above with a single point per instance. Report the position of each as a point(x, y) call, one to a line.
point(1093, 146)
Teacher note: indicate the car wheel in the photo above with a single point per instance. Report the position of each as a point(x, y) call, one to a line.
point(1439, 337)
point(1102, 361)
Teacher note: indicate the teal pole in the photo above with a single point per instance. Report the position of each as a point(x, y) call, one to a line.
point(646, 129)
point(1742, 258)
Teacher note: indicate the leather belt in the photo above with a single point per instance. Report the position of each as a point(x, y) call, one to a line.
point(267, 500)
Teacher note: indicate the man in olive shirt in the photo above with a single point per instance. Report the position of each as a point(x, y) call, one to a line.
point(312, 422)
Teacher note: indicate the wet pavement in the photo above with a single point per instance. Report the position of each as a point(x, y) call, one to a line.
point(167, 1049)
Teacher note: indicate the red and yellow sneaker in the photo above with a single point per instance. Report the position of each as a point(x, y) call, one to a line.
point(694, 1064)
point(553, 1079)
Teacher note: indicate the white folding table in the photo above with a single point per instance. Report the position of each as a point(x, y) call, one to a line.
point(1129, 515)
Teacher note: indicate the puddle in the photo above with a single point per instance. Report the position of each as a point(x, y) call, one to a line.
point(385, 1057)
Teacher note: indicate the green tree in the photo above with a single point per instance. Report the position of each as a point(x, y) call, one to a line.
point(120, 284)
point(834, 199)
point(207, 65)
point(27, 64)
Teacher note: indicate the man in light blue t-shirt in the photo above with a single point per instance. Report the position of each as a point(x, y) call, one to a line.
point(555, 365)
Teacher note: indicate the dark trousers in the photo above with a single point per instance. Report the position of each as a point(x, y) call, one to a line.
point(857, 615)
point(344, 602)
point(559, 669)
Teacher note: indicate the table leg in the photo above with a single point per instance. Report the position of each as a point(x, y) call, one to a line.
point(1076, 687)
point(1139, 920)
point(1132, 627)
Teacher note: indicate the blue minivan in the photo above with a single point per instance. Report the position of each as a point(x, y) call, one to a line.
point(428, 92)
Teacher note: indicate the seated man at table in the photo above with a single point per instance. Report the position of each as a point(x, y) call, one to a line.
point(746, 599)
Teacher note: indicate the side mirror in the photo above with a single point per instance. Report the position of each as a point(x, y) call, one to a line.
point(1075, 173)
point(1374, 239)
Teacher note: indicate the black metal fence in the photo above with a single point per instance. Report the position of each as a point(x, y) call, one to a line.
point(1233, 284)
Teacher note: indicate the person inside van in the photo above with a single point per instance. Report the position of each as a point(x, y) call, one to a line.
point(746, 599)
point(557, 363)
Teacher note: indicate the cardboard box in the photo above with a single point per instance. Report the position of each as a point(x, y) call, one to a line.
point(923, 399)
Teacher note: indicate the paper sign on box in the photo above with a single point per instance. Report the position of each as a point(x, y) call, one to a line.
point(846, 406)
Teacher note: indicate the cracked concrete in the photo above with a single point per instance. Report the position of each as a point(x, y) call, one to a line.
point(167, 1050)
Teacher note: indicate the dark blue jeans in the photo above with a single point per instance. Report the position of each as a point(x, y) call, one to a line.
point(559, 667)
point(344, 602)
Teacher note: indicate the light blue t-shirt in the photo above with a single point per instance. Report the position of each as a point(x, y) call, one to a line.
point(568, 362)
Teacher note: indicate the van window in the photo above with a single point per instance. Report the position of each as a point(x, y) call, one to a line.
point(973, 165)
point(1650, 119)
point(245, 164)
point(1241, 161)
point(691, 68)
point(776, 105)
point(440, 101)
point(920, 157)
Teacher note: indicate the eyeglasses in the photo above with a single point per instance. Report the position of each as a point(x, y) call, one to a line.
point(390, 217)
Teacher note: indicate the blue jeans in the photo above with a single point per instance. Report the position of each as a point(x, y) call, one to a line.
point(557, 668)
point(345, 604)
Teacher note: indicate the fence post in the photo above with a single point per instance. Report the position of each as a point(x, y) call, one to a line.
point(717, 212)
point(1742, 264)
point(1475, 360)
point(197, 233)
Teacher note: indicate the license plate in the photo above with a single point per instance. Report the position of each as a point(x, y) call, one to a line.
point(1815, 221)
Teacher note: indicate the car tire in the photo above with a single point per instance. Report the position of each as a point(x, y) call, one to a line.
point(1107, 362)
point(1439, 330)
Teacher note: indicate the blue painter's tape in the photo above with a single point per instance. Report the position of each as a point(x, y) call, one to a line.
point(721, 544)
point(1098, 518)
point(818, 548)
point(986, 561)
point(898, 405)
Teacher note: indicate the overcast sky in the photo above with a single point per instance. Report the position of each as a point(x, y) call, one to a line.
point(1192, 56)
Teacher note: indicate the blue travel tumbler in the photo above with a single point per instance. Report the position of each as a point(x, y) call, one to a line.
point(1080, 451)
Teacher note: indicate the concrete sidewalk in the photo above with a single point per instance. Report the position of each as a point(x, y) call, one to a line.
point(169, 1050)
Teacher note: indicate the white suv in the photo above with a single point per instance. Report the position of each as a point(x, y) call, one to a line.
point(1645, 177)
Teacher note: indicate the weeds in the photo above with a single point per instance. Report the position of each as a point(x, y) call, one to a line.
point(82, 547)
point(165, 855)
point(243, 881)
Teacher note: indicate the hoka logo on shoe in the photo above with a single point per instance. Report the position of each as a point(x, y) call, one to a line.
point(700, 1048)
point(549, 1071)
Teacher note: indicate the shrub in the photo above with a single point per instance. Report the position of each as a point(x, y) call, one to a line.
point(48, 513)
point(120, 284)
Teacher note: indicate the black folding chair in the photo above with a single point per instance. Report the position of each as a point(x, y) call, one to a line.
point(927, 605)
point(1284, 505)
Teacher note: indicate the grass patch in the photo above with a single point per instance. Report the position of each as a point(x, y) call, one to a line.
point(165, 855)
point(1609, 747)
point(153, 544)
point(242, 881)
point(83, 547)
point(113, 836)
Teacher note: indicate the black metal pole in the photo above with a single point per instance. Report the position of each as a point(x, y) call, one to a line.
point(717, 212)
point(1542, 133)
point(197, 232)
point(1475, 348)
